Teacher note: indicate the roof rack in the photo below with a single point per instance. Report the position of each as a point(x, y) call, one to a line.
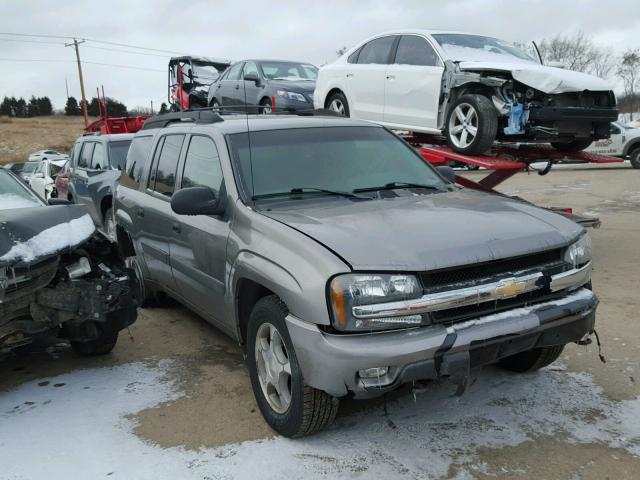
point(196, 116)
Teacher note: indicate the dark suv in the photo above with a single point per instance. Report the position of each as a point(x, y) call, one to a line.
point(96, 164)
point(342, 261)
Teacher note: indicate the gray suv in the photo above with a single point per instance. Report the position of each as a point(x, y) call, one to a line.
point(96, 164)
point(342, 262)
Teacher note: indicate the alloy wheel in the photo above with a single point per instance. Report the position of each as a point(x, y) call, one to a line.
point(337, 106)
point(274, 368)
point(463, 125)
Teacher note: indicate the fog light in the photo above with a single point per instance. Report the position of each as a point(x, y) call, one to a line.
point(374, 372)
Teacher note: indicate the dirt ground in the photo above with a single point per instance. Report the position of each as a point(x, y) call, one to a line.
point(578, 420)
point(21, 136)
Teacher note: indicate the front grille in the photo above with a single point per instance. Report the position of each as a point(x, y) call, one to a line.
point(549, 263)
point(473, 273)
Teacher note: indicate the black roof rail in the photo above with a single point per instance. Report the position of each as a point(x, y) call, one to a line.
point(196, 116)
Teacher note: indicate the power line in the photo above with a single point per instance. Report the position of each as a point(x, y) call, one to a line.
point(91, 40)
point(125, 51)
point(30, 41)
point(84, 61)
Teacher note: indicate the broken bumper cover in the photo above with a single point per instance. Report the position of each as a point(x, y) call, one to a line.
point(574, 113)
point(331, 362)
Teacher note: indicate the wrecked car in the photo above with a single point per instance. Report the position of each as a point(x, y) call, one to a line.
point(341, 261)
point(471, 88)
point(56, 276)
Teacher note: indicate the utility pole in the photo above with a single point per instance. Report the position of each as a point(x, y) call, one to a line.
point(66, 85)
point(84, 99)
point(152, 107)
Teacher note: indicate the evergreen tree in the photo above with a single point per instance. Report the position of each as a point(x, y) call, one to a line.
point(45, 106)
point(21, 108)
point(5, 106)
point(72, 107)
point(32, 107)
point(114, 108)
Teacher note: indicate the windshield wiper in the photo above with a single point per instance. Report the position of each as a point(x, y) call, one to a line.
point(394, 185)
point(303, 190)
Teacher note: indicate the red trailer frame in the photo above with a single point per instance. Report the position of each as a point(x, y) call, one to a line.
point(107, 125)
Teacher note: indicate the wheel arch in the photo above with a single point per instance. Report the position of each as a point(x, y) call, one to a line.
point(332, 92)
point(631, 146)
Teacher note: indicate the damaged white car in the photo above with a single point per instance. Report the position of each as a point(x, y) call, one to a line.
point(57, 277)
point(474, 89)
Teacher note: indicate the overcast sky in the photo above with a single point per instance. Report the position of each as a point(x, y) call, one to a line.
point(296, 30)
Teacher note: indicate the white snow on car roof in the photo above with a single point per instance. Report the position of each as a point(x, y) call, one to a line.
point(10, 201)
point(59, 237)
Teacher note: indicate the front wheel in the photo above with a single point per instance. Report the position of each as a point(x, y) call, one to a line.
point(532, 360)
point(265, 106)
point(572, 146)
point(290, 407)
point(471, 124)
point(338, 103)
point(634, 157)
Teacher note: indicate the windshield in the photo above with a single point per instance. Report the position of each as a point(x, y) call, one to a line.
point(30, 167)
point(118, 154)
point(13, 194)
point(478, 48)
point(340, 159)
point(288, 71)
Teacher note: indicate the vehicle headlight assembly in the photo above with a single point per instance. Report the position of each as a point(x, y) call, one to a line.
point(291, 95)
point(352, 290)
point(579, 253)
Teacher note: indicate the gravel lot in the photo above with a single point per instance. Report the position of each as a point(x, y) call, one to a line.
point(174, 399)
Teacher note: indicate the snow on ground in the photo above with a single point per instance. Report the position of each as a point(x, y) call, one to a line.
point(54, 239)
point(78, 425)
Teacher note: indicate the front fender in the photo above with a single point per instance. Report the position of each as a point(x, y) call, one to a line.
point(630, 145)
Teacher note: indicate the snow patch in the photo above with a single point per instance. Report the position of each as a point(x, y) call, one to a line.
point(85, 426)
point(59, 237)
point(10, 201)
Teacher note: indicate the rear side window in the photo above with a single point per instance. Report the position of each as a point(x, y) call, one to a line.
point(377, 51)
point(353, 58)
point(162, 178)
point(118, 154)
point(414, 50)
point(234, 72)
point(136, 158)
point(85, 155)
point(202, 164)
point(98, 160)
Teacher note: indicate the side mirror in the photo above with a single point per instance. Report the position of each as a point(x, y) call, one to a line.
point(252, 77)
point(58, 201)
point(447, 172)
point(196, 201)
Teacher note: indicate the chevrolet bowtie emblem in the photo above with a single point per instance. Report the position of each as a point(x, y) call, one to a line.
point(510, 288)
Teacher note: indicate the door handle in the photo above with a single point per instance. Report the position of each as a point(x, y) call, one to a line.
point(349, 75)
point(140, 212)
point(391, 77)
point(176, 228)
point(237, 87)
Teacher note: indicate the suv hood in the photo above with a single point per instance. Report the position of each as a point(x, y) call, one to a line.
point(427, 232)
point(541, 77)
point(30, 235)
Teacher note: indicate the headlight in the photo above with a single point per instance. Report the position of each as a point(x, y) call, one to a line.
point(579, 253)
point(291, 95)
point(352, 290)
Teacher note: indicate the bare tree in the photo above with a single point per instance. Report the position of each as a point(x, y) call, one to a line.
point(575, 52)
point(603, 63)
point(629, 71)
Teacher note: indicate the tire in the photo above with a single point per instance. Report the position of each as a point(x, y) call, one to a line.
point(302, 410)
point(532, 360)
point(572, 146)
point(634, 157)
point(109, 223)
point(266, 106)
point(145, 297)
point(338, 103)
point(100, 346)
point(468, 114)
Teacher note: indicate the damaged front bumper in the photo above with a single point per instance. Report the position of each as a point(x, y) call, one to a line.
point(331, 362)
